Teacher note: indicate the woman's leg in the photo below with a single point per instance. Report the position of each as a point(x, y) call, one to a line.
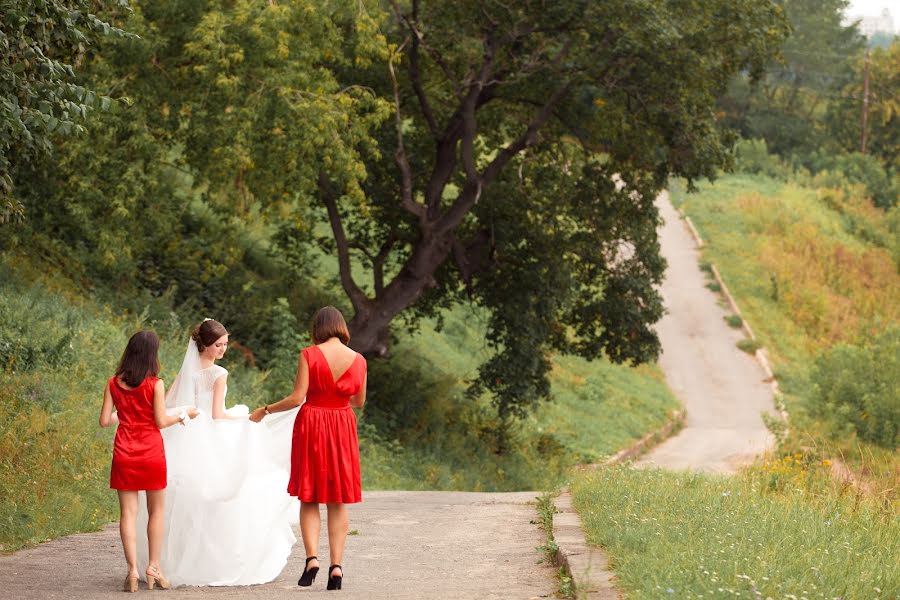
point(155, 524)
point(338, 523)
point(128, 502)
point(310, 523)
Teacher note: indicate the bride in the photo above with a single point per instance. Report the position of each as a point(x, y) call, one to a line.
point(228, 514)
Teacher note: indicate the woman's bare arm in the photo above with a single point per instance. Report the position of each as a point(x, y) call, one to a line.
point(360, 398)
point(292, 400)
point(218, 404)
point(107, 415)
point(162, 419)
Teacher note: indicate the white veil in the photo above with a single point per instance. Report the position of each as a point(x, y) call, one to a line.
point(181, 392)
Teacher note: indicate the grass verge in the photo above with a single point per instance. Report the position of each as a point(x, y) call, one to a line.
point(781, 530)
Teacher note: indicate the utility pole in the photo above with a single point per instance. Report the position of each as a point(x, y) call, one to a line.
point(865, 106)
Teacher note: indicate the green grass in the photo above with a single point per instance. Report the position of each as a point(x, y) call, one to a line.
point(778, 532)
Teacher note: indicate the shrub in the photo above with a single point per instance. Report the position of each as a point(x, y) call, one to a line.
point(752, 156)
point(749, 346)
point(841, 170)
point(734, 321)
point(857, 389)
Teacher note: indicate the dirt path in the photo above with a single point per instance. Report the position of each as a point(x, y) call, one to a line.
point(722, 388)
point(410, 545)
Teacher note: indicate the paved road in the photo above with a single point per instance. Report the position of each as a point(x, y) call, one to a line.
point(410, 545)
point(722, 388)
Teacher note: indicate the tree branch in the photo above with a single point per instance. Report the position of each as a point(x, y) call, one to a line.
point(379, 259)
point(471, 257)
point(469, 196)
point(418, 39)
point(329, 198)
point(415, 75)
point(406, 185)
point(461, 126)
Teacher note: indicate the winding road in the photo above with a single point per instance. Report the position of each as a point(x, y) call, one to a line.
point(723, 388)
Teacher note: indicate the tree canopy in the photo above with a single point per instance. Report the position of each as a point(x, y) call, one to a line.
point(507, 155)
point(40, 44)
point(815, 62)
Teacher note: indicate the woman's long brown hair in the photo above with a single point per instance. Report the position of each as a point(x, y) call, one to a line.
point(140, 359)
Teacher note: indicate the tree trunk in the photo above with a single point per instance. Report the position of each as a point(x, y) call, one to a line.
point(370, 325)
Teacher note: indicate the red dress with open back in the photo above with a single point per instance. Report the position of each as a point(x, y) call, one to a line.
point(139, 456)
point(325, 449)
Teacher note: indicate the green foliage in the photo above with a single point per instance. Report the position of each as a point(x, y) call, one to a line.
point(857, 389)
point(815, 61)
point(752, 157)
point(749, 346)
point(841, 170)
point(205, 190)
point(41, 42)
point(843, 116)
point(734, 321)
point(781, 530)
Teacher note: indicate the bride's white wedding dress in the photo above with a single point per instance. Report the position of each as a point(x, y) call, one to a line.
point(228, 516)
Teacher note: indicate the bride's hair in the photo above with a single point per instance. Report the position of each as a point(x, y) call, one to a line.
point(207, 332)
point(329, 323)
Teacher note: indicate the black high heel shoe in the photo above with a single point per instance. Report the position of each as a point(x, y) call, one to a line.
point(309, 575)
point(334, 581)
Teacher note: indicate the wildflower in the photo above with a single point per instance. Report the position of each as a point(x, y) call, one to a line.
point(671, 591)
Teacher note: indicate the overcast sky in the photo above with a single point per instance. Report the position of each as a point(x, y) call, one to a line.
point(860, 8)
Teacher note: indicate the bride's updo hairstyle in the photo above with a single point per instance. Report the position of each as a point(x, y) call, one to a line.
point(329, 323)
point(207, 332)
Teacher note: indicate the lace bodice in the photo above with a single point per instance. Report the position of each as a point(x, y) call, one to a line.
point(204, 379)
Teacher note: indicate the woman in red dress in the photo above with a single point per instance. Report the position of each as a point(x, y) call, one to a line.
point(325, 449)
point(139, 457)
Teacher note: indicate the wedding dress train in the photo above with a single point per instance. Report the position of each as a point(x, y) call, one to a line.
point(228, 517)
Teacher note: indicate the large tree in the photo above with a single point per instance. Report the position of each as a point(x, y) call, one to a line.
point(518, 167)
point(844, 118)
point(528, 144)
point(507, 154)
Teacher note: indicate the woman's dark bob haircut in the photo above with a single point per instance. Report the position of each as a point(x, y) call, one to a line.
point(329, 323)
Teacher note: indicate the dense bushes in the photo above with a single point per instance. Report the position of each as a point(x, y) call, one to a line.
point(839, 170)
point(821, 169)
point(857, 389)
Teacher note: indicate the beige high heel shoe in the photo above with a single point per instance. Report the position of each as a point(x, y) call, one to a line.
point(155, 577)
point(131, 583)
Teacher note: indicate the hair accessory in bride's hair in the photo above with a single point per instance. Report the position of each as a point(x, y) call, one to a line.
point(207, 319)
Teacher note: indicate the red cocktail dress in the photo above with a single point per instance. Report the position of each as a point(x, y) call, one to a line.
point(325, 449)
point(139, 456)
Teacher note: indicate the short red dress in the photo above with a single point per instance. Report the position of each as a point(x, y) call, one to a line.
point(139, 456)
point(325, 449)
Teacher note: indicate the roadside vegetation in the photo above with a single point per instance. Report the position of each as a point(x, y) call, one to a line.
point(782, 529)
